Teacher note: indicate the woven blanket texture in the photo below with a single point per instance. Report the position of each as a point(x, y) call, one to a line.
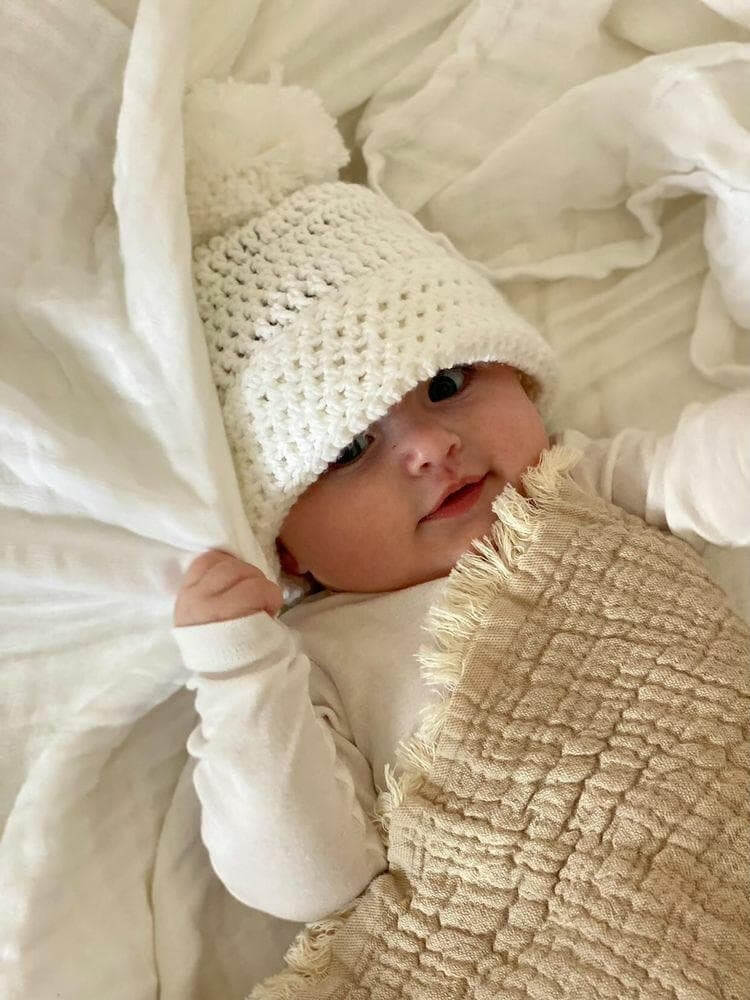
point(573, 820)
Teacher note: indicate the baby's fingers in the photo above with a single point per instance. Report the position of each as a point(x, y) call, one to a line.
point(198, 567)
point(218, 587)
point(246, 597)
point(256, 594)
point(223, 574)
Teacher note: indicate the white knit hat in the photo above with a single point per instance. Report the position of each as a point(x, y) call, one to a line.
point(327, 306)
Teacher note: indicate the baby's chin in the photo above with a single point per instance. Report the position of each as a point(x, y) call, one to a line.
point(443, 559)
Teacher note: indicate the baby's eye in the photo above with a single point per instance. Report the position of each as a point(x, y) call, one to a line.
point(448, 382)
point(354, 450)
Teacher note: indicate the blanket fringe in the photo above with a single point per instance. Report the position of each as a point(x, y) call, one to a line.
point(455, 620)
point(308, 957)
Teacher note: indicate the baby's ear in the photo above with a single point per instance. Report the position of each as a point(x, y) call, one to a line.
point(288, 563)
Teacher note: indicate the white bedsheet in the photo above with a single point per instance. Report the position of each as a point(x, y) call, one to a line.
point(607, 186)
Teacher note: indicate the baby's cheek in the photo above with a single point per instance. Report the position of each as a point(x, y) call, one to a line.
point(532, 434)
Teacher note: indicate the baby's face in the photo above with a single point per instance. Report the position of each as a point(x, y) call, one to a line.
point(410, 494)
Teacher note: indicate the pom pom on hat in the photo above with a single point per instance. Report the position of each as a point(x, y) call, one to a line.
point(248, 146)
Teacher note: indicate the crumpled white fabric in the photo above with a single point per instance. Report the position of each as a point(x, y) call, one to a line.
point(572, 170)
point(547, 141)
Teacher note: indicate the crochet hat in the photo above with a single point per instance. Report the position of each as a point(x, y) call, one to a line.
point(322, 303)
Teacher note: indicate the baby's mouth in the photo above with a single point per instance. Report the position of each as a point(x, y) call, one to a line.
point(459, 500)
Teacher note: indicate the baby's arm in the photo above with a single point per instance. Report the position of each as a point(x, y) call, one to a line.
point(285, 795)
point(695, 481)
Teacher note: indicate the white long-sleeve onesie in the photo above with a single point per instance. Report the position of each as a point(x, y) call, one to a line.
point(299, 717)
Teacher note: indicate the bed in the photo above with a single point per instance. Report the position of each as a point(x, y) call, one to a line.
point(594, 160)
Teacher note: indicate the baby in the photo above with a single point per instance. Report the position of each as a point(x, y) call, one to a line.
point(378, 394)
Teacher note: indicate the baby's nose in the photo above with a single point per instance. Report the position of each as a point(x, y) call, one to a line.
point(425, 445)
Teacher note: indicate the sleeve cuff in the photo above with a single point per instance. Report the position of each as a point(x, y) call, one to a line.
point(218, 647)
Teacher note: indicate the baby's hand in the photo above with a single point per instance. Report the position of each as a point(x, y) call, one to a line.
point(218, 586)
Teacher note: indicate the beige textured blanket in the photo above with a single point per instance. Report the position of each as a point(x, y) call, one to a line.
point(572, 821)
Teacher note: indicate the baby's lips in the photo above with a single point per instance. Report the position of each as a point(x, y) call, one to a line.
point(454, 487)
